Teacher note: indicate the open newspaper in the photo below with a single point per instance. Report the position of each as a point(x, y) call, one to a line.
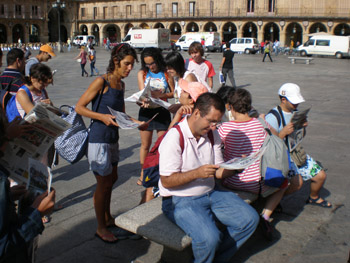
point(124, 121)
point(39, 177)
point(46, 126)
point(141, 95)
point(240, 163)
point(298, 120)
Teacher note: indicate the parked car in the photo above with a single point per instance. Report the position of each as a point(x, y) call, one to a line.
point(247, 45)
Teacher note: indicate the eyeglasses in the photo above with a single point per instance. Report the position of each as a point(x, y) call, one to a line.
point(150, 64)
point(212, 123)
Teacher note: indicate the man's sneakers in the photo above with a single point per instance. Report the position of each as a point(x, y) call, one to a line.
point(122, 234)
point(266, 228)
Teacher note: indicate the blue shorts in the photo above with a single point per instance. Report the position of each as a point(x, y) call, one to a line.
point(102, 157)
point(309, 170)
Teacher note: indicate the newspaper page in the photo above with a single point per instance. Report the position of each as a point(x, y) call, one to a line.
point(299, 118)
point(295, 138)
point(240, 163)
point(45, 128)
point(124, 121)
point(39, 177)
point(145, 94)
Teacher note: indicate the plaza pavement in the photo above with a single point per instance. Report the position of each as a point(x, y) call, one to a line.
point(304, 233)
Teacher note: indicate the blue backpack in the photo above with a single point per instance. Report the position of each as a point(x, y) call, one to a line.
point(11, 107)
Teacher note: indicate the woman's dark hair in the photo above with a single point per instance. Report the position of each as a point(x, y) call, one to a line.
point(119, 52)
point(224, 92)
point(240, 101)
point(156, 54)
point(41, 72)
point(176, 61)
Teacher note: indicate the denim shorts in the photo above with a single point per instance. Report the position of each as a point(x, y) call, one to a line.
point(102, 157)
point(309, 170)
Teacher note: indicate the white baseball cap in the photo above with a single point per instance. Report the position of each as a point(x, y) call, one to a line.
point(292, 92)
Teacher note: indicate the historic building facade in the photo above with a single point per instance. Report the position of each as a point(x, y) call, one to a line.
point(285, 20)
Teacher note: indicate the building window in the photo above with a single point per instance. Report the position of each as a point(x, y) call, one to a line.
point(272, 6)
point(105, 12)
point(95, 12)
point(128, 10)
point(82, 11)
point(192, 8)
point(158, 9)
point(34, 10)
point(143, 10)
point(114, 11)
point(250, 6)
point(211, 8)
point(18, 10)
point(175, 8)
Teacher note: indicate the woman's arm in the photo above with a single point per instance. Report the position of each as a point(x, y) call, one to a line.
point(24, 100)
point(140, 79)
point(94, 89)
point(78, 56)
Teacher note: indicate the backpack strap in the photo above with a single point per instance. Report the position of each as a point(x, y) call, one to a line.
point(182, 141)
point(277, 115)
point(28, 92)
point(284, 124)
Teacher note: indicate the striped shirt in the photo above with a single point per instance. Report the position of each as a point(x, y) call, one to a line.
point(243, 138)
point(9, 75)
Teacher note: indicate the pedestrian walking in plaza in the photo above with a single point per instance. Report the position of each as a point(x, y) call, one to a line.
point(267, 51)
point(82, 58)
point(92, 60)
point(103, 150)
point(226, 66)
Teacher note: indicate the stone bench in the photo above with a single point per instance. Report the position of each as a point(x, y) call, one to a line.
point(293, 59)
point(149, 221)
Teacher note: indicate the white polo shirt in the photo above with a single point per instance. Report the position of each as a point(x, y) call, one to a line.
point(195, 154)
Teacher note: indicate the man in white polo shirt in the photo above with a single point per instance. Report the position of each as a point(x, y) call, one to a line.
point(187, 184)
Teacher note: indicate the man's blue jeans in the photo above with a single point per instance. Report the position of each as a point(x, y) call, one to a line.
point(197, 216)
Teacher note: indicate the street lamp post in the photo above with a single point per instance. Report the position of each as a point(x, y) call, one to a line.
point(58, 5)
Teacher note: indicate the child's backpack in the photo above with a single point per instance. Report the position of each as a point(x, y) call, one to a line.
point(151, 164)
point(274, 164)
point(5, 94)
point(10, 104)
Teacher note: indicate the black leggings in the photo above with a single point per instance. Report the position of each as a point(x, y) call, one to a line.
point(83, 70)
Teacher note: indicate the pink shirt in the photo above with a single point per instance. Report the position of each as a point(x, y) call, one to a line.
point(203, 70)
point(243, 138)
point(195, 154)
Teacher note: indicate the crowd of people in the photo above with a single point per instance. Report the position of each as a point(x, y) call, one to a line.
point(210, 128)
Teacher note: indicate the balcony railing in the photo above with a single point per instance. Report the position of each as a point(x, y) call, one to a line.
point(219, 13)
point(23, 15)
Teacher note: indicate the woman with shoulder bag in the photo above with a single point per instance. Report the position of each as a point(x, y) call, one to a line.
point(103, 149)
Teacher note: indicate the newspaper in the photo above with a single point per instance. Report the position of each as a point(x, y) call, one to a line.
point(45, 128)
point(299, 118)
point(124, 121)
point(39, 177)
point(145, 94)
point(295, 138)
point(240, 163)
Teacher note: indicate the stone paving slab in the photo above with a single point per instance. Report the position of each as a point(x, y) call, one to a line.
point(304, 233)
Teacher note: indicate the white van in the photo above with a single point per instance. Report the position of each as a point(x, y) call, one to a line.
point(82, 40)
point(143, 38)
point(212, 40)
point(338, 46)
point(248, 45)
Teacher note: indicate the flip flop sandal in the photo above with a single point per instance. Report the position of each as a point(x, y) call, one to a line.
point(139, 182)
point(103, 238)
point(46, 219)
point(324, 203)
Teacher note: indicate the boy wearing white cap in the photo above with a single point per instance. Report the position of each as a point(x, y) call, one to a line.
point(280, 119)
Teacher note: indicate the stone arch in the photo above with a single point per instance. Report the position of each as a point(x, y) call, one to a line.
point(229, 31)
point(113, 32)
point(317, 27)
point(250, 30)
point(127, 28)
point(210, 27)
point(175, 29)
point(53, 25)
point(95, 29)
point(342, 29)
point(271, 32)
point(159, 25)
point(83, 30)
point(294, 32)
point(3, 33)
point(144, 26)
point(192, 27)
point(17, 32)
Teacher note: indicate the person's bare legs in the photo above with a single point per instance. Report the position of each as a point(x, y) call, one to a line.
point(271, 203)
point(102, 192)
point(108, 217)
point(146, 141)
point(317, 183)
